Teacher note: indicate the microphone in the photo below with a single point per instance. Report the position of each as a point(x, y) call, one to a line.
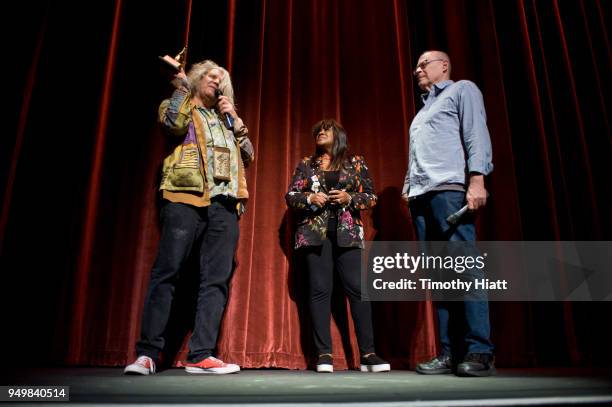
point(229, 120)
point(454, 218)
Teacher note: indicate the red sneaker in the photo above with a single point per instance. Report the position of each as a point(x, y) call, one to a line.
point(211, 365)
point(144, 365)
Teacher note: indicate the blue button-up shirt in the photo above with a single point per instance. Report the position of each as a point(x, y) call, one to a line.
point(448, 139)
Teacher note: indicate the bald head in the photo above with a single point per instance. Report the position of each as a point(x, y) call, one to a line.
point(437, 54)
point(432, 67)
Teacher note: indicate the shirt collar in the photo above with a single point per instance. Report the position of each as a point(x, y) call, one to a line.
point(437, 88)
point(204, 109)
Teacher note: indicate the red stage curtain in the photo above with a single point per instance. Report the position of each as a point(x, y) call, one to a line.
point(79, 217)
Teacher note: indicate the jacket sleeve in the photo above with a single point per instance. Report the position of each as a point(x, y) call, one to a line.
point(247, 152)
point(297, 193)
point(175, 113)
point(364, 197)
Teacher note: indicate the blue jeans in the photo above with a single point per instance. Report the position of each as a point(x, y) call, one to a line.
point(463, 326)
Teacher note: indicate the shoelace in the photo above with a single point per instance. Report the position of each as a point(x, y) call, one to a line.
point(143, 361)
point(478, 357)
point(217, 360)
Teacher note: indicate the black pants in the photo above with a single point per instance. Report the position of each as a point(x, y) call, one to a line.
point(215, 228)
point(321, 261)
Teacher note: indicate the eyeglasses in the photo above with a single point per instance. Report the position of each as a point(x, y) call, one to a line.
point(424, 63)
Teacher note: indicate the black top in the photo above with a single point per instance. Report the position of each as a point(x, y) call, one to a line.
point(331, 182)
point(331, 179)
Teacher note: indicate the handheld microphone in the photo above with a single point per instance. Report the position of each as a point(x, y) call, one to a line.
point(229, 120)
point(454, 218)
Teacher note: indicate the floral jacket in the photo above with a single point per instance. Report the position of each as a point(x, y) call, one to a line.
point(308, 178)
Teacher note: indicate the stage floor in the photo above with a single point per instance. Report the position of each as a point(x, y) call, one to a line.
point(174, 386)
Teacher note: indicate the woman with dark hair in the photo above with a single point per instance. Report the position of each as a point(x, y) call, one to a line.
point(329, 189)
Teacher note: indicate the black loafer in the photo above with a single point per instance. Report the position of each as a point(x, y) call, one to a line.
point(477, 365)
point(439, 365)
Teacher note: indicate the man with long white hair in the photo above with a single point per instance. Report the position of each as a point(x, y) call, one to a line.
point(204, 192)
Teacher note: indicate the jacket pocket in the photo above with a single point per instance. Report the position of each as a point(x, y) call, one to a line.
point(186, 177)
point(182, 170)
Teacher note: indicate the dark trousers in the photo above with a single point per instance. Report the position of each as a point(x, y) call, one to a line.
point(429, 213)
point(215, 230)
point(321, 261)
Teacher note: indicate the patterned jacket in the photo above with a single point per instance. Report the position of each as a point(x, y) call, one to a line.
point(308, 178)
point(183, 170)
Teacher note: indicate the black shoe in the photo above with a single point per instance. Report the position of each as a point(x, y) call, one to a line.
point(325, 363)
point(477, 364)
point(374, 364)
point(439, 365)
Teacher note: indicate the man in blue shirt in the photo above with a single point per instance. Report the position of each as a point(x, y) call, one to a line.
point(450, 154)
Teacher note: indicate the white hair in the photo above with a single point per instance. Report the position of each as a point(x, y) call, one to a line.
point(197, 72)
